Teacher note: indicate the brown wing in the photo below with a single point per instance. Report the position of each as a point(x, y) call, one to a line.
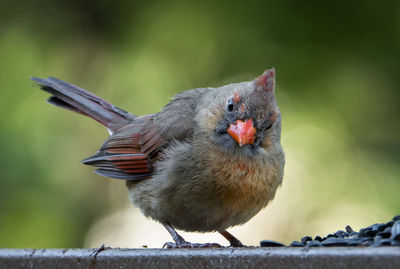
point(130, 152)
point(176, 119)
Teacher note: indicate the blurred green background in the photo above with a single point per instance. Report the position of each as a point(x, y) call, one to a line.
point(338, 86)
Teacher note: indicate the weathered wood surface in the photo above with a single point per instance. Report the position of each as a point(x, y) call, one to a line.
point(284, 257)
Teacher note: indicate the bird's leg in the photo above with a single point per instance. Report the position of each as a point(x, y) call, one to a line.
point(182, 243)
point(177, 238)
point(233, 240)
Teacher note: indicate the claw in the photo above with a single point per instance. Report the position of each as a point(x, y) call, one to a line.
point(186, 244)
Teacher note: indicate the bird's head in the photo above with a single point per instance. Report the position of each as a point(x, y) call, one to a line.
point(241, 118)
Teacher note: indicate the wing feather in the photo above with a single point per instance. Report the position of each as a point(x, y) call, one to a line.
point(130, 152)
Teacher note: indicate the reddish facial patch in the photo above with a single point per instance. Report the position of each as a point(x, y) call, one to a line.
point(236, 97)
point(274, 115)
point(243, 132)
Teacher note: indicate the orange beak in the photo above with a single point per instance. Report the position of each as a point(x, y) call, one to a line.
point(243, 132)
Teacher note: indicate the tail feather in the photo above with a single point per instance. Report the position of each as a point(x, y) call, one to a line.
point(72, 97)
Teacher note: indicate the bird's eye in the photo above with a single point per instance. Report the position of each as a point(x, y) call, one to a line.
point(230, 105)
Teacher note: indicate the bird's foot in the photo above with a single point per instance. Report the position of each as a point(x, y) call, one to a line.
point(185, 244)
point(237, 244)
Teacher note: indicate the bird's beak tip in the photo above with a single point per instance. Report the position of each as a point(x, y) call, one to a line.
point(243, 132)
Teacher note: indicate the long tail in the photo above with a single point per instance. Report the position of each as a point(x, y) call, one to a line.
point(72, 97)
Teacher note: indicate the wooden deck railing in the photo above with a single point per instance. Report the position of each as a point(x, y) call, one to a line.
point(283, 257)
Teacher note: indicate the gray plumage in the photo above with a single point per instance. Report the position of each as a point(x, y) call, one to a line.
point(184, 166)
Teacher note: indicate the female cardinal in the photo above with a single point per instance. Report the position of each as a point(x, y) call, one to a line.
point(209, 160)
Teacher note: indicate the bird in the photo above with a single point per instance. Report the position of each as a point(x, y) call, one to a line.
point(211, 158)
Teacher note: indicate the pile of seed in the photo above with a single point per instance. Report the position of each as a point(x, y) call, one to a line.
point(376, 235)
